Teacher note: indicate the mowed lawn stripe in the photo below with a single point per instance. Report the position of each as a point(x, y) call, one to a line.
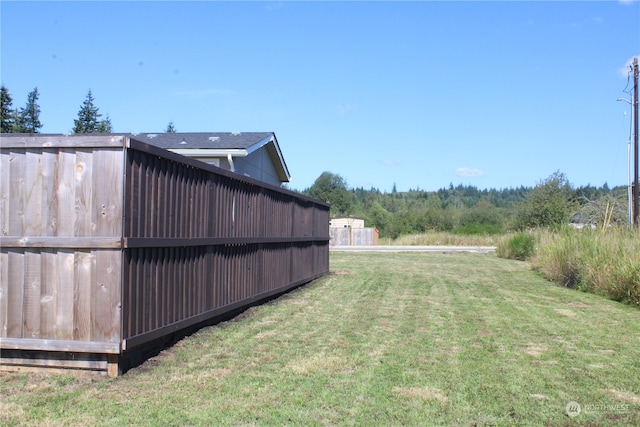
point(386, 339)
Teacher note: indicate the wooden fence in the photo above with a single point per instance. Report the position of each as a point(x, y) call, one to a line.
point(108, 244)
point(348, 236)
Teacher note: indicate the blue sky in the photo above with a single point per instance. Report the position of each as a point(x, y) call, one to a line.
point(421, 94)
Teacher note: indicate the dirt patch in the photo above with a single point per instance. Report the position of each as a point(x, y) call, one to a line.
point(342, 273)
point(596, 366)
point(566, 312)
point(455, 349)
point(536, 350)
point(10, 411)
point(538, 396)
point(624, 396)
point(267, 334)
point(214, 374)
point(318, 363)
point(578, 305)
point(423, 393)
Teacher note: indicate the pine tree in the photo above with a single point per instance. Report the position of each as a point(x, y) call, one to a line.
point(29, 116)
point(88, 117)
point(104, 126)
point(170, 128)
point(7, 115)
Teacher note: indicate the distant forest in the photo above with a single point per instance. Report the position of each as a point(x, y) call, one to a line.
point(465, 209)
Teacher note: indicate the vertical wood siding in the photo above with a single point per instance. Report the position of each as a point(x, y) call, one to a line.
point(200, 241)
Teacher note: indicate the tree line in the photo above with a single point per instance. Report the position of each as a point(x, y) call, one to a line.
point(27, 118)
point(465, 209)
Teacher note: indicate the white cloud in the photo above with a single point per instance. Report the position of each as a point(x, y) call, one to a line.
point(345, 108)
point(274, 5)
point(469, 172)
point(202, 93)
point(627, 1)
point(389, 162)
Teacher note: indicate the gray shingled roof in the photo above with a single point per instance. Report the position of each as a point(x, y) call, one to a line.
point(215, 140)
point(248, 141)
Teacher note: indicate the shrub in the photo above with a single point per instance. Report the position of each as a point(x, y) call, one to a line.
point(549, 204)
point(482, 213)
point(479, 229)
point(605, 261)
point(520, 246)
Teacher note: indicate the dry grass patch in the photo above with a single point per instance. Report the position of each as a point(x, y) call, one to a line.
point(538, 396)
point(423, 393)
point(566, 312)
point(445, 239)
point(536, 350)
point(9, 411)
point(343, 273)
point(624, 396)
point(264, 335)
point(216, 374)
point(579, 305)
point(318, 363)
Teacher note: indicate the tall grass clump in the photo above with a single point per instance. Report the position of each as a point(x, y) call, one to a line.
point(432, 238)
point(604, 261)
point(519, 246)
point(558, 256)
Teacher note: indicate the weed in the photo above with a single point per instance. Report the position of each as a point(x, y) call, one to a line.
point(605, 262)
point(447, 239)
point(519, 246)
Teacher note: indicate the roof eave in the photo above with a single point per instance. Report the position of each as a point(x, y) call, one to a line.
point(270, 143)
point(210, 152)
point(285, 176)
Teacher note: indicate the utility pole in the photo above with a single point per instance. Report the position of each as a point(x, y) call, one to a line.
point(635, 190)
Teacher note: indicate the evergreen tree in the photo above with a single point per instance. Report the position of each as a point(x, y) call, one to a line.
point(7, 115)
point(88, 117)
point(170, 128)
point(29, 121)
point(104, 126)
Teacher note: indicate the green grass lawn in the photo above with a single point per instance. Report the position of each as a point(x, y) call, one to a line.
point(386, 339)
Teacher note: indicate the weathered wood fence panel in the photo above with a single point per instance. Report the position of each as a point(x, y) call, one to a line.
point(61, 218)
point(108, 243)
point(347, 236)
